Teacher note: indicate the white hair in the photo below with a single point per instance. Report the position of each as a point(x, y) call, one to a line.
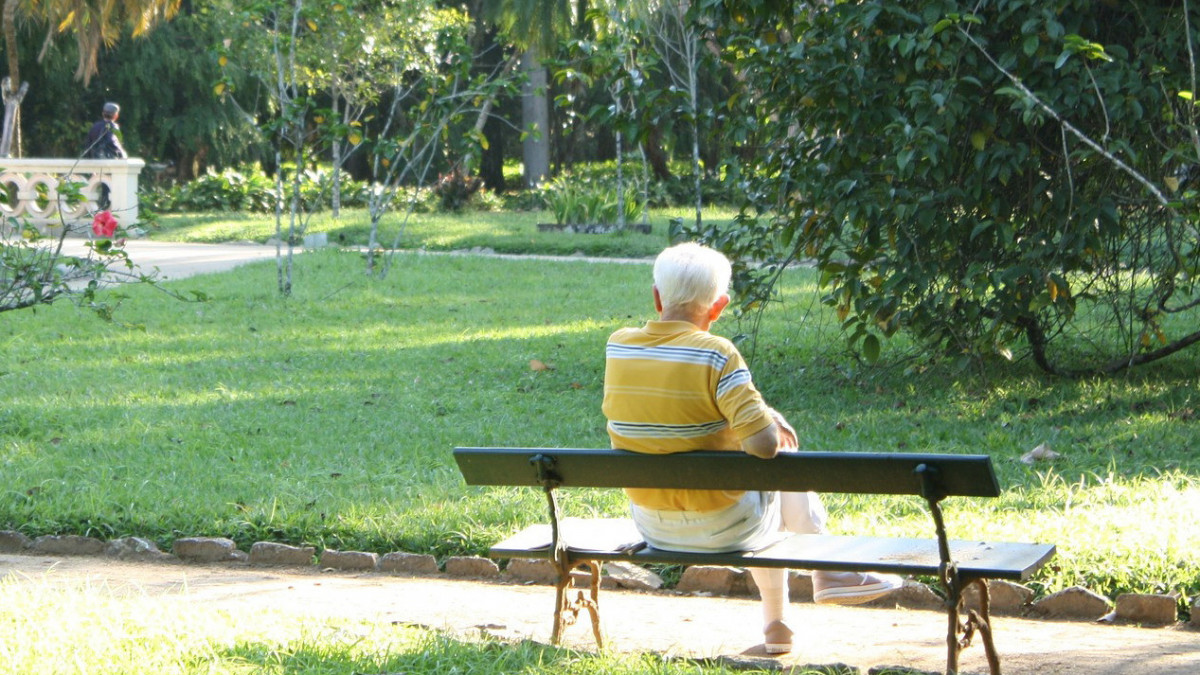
point(691, 275)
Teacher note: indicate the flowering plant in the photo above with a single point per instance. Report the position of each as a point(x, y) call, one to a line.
point(104, 224)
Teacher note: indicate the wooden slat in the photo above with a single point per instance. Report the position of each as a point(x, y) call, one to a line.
point(850, 472)
point(975, 559)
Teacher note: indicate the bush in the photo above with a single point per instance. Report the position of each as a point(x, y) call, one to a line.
point(575, 201)
point(455, 189)
point(248, 189)
point(989, 177)
point(679, 190)
point(523, 200)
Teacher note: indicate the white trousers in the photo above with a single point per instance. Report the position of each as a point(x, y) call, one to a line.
point(753, 522)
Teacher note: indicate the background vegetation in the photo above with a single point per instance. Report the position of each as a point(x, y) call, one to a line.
point(989, 177)
point(328, 418)
point(944, 206)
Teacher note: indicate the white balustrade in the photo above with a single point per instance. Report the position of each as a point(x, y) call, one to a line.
point(33, 191)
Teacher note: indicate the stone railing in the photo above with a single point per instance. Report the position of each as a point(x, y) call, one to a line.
point(33, 191)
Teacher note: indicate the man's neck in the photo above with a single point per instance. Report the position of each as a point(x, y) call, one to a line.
point(697, 319)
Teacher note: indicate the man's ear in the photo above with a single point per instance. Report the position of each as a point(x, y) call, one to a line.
point(658, 306)
point(719, 306)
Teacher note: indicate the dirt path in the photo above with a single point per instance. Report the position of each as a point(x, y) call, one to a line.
point(659, 622)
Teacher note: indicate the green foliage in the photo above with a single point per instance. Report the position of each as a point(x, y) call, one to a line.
point(163, 81)
point(579, 201)
point(34, 272)
point(992, 177)
point(455, 189)
point(248, 190)
point(678, 190)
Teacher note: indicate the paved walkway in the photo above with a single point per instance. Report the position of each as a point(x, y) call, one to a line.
point(661, 622)
point(176, 260)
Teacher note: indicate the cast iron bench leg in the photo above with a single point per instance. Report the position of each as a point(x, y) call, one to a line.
point(566, 610)
point(959, 632)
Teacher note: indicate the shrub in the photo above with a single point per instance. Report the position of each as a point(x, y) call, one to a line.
point(583, 202)
point(249, 189)
point(455, 189)
point(992, 178)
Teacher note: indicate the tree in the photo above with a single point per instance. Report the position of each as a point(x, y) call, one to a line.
point(679, 44)
point(606, 59)
point(182, 124)
point(437, 110)
point(535, 26)
point(408, 62)
point(994, 178)
point(357, 46)
point(94, 25)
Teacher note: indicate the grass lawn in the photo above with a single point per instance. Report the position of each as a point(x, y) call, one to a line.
point(327, 418)
point(504, 232)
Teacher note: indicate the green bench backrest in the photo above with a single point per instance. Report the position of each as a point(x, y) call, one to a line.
point(848, 472)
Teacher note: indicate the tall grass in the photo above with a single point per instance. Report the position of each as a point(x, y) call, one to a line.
point(328, 418)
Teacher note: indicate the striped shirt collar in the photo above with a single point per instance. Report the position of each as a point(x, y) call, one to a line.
point(671, 327)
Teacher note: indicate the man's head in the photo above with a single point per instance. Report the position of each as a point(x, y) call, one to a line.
point(691, 278)
point(111, 111)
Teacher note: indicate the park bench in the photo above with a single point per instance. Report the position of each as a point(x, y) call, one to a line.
point(957, 564)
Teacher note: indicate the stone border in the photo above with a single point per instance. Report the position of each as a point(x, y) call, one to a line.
point(1075, 603)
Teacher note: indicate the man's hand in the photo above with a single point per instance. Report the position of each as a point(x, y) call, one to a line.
point(788, 441)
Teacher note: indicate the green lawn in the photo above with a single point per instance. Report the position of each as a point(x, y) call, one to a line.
point(327, 418)
point(504, 232)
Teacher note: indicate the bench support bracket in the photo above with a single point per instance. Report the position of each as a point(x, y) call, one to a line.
point(959, 631)
point(566, 609)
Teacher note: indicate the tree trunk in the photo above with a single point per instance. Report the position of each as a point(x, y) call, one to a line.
point(11, 88)
point(535, 120)
point(696, 167)
point(620, 172)
point(655, 156)
point(10, 40)
point(12, 106)
point(335, 199)
point(491, 165)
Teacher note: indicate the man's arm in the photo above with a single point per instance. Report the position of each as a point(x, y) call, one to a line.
point(777, 436)
point(763, 444)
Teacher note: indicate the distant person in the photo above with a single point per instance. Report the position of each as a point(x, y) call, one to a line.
point(104, 138)
point(104, 142)
point(672, 386)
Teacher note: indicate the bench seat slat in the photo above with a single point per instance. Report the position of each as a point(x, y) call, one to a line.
point(851, 472)
point(975, 559)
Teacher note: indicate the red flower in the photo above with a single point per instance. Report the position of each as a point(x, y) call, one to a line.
point(104, 224)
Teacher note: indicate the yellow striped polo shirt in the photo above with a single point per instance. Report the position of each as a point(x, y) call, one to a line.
point(671, 387)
